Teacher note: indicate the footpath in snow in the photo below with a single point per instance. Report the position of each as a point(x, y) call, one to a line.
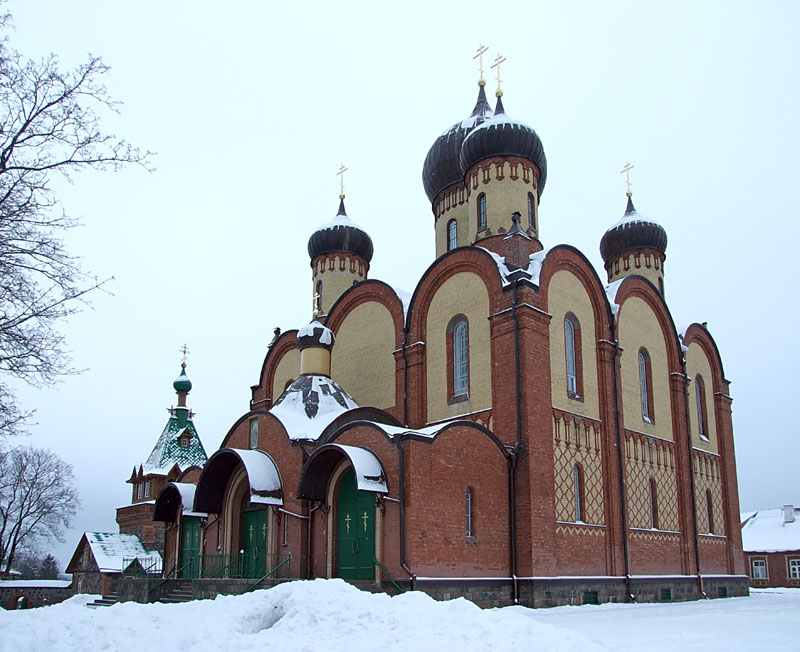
point(332, 615)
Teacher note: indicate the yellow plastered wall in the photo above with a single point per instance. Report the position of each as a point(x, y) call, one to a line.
point(504, 196)
point(288, 369)
point(451, 204)
point(697, 363)
point(639, 327)
point(566, 294)
point(363, 359)
point(461, 294)
point(336, 281)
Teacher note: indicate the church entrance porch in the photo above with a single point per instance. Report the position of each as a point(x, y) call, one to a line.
point(356, 531)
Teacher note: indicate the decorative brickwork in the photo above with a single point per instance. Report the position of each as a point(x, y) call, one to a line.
point(707, 478)
point(577, 440)
point(645, 458)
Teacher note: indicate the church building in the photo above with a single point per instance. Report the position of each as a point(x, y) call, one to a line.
point(516, 430)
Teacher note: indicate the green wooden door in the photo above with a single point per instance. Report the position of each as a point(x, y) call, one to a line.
point(190, 547)
point(356, 542)
point(255, 543)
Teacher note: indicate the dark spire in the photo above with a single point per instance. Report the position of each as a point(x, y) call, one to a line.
point(515, 227)
point(482, 105)
point(341, 206)
point(630, 208)
point(498, 108)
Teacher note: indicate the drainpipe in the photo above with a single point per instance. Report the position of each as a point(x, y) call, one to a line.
point(403, 563)
point(621, 450)
point(691, 478)
point(518, 447)
point(405, 377)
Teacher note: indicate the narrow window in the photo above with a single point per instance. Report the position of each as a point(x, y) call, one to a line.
point(653, 505)
point(285, 530)
point(139, 490)
point(646, 386)
point(759, 569)
point(710, 509)
point(254, 433)
point(460, 359)
point(794, 569)
point(469, 501)
point(661, 286)
point(318, 297)
point(572, 337)
point(148, 487)
point(577, 490)
point(452, 235)
point(530, 212)
point(702, 415)
point(481, 212)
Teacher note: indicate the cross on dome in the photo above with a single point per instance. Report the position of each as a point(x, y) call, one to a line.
point(479, 56)
point(497, 61)
point(340, 173)
point(627, 172)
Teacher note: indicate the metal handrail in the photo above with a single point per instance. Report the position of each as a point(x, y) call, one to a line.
point(283, 563)
point(391, 579)
point(174, 572)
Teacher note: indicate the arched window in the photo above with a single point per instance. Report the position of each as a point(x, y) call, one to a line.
point(481, 212)
point(646, 386)
point(460, 359)
point(710, 510)
point(470, 502)
point(318, 297)
point(653, 496)
point(572, 349)
point(577, 490)
point(253, 433)
point(531, 218)
point(452, 235)
point(702, 415)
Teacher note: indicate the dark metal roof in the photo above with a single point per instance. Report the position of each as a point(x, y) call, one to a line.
point(632, 232)
point(503, 136)
point(441, 168)
point(340, 235)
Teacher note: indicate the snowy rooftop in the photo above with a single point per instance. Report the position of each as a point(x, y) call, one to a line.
point(309, 404)
point(767, 531)
point(167, 452)
point(109, 549)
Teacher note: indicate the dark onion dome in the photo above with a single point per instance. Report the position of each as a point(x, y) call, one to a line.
point(632, 232)
point(340, 235)
point(441, 168)
point(182, 383)
point(503, 136)
point(315, 334)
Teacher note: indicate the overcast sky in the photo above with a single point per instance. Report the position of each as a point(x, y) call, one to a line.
point(252, 106)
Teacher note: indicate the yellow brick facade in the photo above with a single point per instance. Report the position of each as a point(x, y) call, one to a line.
point(697, 363)
point(287, 370)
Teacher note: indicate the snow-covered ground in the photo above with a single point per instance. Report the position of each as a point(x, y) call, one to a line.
point(332, 615)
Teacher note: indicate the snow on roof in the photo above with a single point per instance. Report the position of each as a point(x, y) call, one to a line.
point(167, 452)
point(368, 469)
point(109, 549)
point(326, 337)
point(186, 490)
point(35, 584)
point(535, 263)
point(611, 293)
point(633, 217)
point(405, 299)
point(499, 119)
point(309, 404)
point(339, 220)
point(766, 531)
point(265, 481)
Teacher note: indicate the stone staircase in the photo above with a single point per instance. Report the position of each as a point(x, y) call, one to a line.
point(105, 601)
point(181, 593)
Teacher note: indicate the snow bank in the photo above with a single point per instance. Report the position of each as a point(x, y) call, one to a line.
point(332, 615)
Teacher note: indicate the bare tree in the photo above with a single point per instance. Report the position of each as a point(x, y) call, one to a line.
point(37, 500)
point(48, 128)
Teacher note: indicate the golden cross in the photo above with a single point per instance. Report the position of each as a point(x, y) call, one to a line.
point(627, 172)
point(497, 61)
point(347, 523)
point(185, 351)
point(251, 533)
point(479, 57)
point(340, 173)
point(365, 517)
point(264, 530)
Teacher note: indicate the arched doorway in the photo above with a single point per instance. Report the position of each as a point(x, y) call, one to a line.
point(255, 530)
point(191, 544)
point(355, 531)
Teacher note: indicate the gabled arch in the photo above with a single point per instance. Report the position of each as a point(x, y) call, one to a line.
point(370, 290)
point(286, 342)
point(698, 334)
point(317, 470)
point(245, 417)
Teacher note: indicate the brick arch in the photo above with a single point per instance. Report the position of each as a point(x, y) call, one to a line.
point(638, 286)
point(464, 259)
point(285, 343)
point(245, 417)
point(12, 603)
point(364, 292)
point(697, 334)
point(567, 258)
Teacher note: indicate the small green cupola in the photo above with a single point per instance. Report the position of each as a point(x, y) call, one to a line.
point(182, 386)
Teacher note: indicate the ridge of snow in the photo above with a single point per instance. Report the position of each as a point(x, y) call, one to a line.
point(309, 404)
point(766, 532)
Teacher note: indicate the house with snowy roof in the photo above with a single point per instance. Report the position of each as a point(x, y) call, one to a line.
point(101, 558)
point(771, 543)
point(178, 456)
point(515, 430)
